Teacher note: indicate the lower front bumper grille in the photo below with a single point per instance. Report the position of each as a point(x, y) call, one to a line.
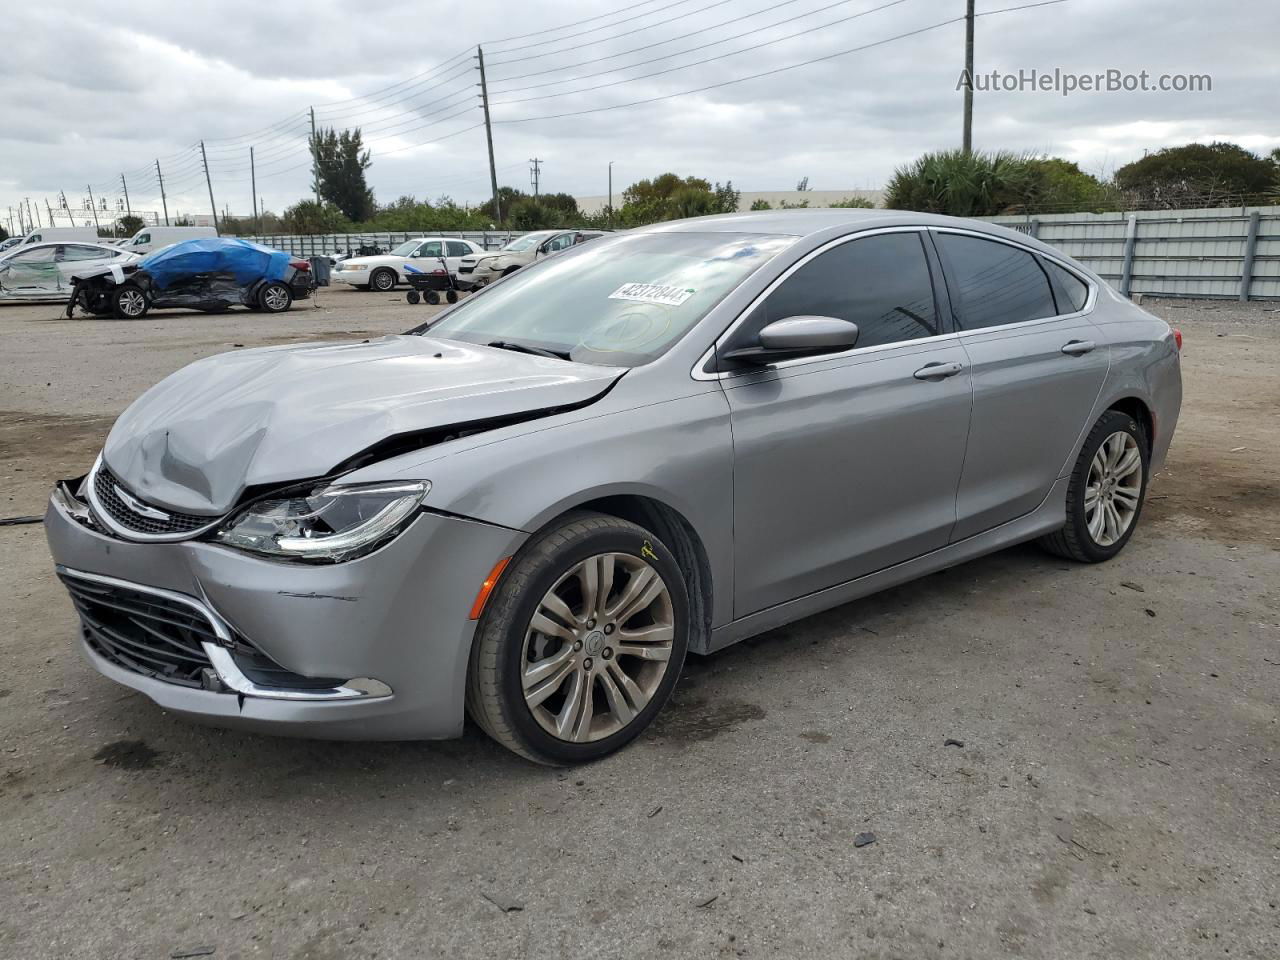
point(156, 636)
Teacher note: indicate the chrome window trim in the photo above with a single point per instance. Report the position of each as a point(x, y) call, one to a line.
point(219, 654)
point(699, 369)
point(103, 517)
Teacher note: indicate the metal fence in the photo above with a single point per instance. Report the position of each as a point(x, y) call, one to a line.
point(321, 244)
point(1218, 253)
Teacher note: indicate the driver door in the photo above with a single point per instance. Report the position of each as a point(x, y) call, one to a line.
point(848, 463)
point(427, 257)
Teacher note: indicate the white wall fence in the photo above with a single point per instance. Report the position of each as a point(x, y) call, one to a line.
point(1220, 253)
point(319, 244)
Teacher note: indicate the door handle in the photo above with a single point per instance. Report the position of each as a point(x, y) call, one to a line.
point(938, 371)
point(1078, 348)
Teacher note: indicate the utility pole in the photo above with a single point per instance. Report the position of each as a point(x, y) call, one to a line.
point(94, 207)
point(968, 72)
point(50, 209)
point(534, 174)
point(488, 135)
point(252, 179)
point(208, 182)
point(315, 158)
point(163, 201)
point(128, 209)
point(611, 193)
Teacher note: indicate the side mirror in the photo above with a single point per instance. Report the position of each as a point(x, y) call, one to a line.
point(798, 337)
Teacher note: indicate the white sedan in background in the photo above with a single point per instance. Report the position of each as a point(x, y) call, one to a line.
point(385, 271)
point(43, 271)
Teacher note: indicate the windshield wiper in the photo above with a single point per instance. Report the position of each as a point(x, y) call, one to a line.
point(528, 348)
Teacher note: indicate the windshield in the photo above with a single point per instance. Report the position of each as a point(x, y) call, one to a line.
point(520, 244)
point(620, 301)
point(405, 248)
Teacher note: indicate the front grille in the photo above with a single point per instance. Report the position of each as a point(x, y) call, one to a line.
point(104, 488)
point(161, 638)
point(142, 632)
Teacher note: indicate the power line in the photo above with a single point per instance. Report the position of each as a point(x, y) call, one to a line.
point(776, 70)
point(721, 56)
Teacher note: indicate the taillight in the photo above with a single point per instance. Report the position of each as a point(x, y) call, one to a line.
point(300, 264)
point(1177, 338)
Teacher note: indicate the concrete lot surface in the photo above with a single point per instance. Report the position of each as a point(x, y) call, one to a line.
point(1113, 790)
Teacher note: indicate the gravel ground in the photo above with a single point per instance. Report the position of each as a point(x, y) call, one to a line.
point(1111, 791)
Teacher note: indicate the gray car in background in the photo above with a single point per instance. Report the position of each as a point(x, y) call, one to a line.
point(661, 442)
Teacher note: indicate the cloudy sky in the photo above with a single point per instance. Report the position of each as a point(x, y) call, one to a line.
point(90, 91)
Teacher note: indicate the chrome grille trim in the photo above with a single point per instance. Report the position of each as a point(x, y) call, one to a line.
point(111, 510)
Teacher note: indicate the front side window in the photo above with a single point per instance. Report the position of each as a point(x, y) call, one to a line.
point(432, 248)
point(994, 284)
point(560, 242)
point(141, 239)
point(617, 302)
point(881, 283)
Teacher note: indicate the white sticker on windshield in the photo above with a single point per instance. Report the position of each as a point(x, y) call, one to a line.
point(658, 293)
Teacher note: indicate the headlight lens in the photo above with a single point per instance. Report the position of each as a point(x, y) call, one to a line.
point(329, 523)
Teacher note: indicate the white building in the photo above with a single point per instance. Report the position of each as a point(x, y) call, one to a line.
point(775, 198)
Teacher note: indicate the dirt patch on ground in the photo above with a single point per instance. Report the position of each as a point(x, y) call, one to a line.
point(36, 450)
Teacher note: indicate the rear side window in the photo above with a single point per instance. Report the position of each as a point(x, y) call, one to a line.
point(82, 251)
point(1073, 293)
point(457, 248)
point(994, 284)
point(881, 283)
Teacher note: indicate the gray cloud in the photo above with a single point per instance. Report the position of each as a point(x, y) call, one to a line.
point(94, 90)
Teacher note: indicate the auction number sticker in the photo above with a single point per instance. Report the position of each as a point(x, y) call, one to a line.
point(658, 293)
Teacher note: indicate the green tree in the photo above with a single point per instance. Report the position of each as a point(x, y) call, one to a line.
point(307, 216)
point(1060, 186)
point(761, 204)
point(339, 162)
point(130, 224)
point(670, 197)
point(859, 203)
point(962, 184)
point(1197, 175)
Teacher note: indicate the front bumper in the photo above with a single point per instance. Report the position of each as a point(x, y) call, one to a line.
point(398, 615)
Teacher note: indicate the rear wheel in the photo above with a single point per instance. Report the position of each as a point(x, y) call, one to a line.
point(275, 297)
point(128, 302)
point(452, 296)
point(1106, 491)
point(581, 643)
point(383, 280)
point(432, 297)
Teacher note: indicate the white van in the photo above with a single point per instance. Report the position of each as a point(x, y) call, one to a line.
point(60, 234)
point(153, 238)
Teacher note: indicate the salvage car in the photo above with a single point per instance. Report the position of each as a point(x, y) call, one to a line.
point(43, 271)
point(533, 506)
point(384, 271)
point(210, 274)
point(520, 252)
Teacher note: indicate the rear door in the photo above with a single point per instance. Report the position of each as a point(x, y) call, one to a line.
point(1038, 366)
point(74, 258)
point(848, 463)
point(454, 251)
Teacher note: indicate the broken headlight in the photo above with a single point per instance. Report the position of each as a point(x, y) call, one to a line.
point(330, 523)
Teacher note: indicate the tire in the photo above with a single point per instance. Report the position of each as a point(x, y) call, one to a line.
point(383, 280)
point(1122, 491)
point(275, 297)
point(413, 296)
point(507, 643)
point(129, 302)
point(432, 297)
point(452, 296)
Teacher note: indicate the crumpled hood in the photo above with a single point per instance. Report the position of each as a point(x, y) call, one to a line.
point(197, 439)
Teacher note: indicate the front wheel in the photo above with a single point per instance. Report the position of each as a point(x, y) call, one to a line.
point(1106, 491)
point(383, 280)
point(128, 302)
point(581, 643)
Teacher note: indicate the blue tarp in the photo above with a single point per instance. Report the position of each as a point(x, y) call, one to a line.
point(242, 259)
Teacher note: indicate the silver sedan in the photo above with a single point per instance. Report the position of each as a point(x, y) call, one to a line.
point(45, 271)
point(534, 506)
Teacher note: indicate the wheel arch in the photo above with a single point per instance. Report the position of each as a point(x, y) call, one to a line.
point(1138, 408)
point(680, 536)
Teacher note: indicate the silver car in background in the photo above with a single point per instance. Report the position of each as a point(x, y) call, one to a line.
point(520, 252)
point(45, 271)
point(532, 507)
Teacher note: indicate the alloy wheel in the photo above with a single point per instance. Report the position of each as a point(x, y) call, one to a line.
point(384, 281)
point(132, 303)
point(597, 647)
point(1114, 488)
point(276, 298)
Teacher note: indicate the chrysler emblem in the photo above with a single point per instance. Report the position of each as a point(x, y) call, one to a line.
point(137, 506)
